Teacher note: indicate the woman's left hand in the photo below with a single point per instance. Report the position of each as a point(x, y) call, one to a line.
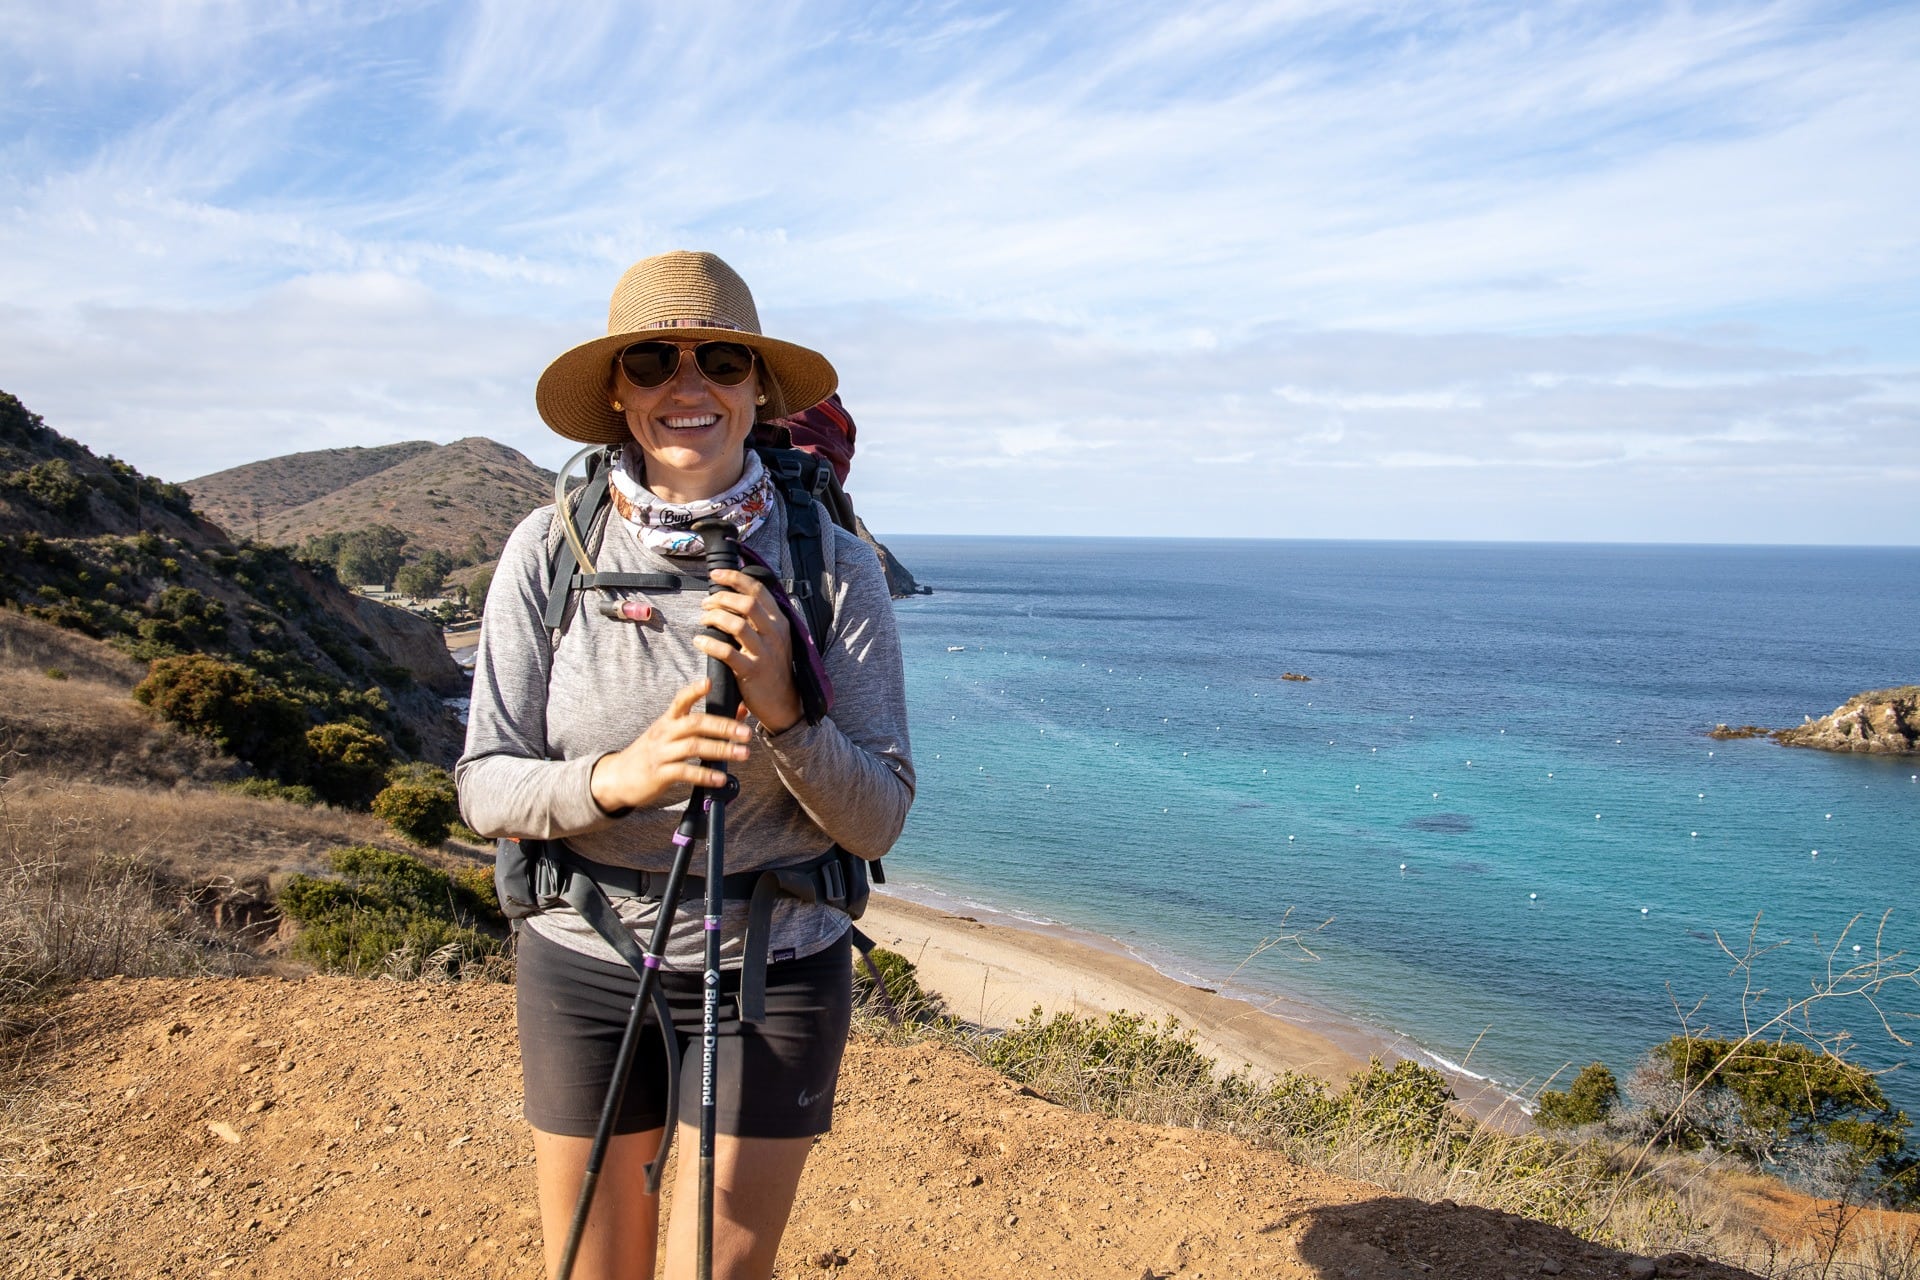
point(763, 663)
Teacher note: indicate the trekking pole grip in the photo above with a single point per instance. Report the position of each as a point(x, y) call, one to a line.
point(723, 552)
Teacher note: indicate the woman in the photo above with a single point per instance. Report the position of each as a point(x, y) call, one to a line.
point(596, 740)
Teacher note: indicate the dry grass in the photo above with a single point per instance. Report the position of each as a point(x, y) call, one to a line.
point(28, 644)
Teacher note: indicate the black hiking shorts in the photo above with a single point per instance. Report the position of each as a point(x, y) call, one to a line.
point(775, 1080)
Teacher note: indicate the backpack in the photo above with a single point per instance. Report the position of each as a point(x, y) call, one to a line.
point(530, 875)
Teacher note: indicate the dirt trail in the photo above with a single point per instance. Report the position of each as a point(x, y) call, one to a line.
point(271, 1127)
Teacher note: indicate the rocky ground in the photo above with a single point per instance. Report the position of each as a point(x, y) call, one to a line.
point(272, 1127)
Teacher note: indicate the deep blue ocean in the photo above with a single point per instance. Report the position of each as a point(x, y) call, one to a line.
point(1496, 787)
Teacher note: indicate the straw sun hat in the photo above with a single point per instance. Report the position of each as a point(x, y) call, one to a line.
point(685, 297)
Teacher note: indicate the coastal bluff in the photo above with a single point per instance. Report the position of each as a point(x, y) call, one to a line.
point(1879, 722)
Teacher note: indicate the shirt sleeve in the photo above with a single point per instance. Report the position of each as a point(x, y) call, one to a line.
point(507, 782)
point(853, 772)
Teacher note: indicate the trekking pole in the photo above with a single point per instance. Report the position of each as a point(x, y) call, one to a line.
point(692, 827)
point(723, 698)
point(705, 816)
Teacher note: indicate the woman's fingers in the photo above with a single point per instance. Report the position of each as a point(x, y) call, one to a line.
point(684, 700)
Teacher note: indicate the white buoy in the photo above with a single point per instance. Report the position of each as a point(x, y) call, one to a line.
point(1403, 866)
point(1375, 750)
point(1596, 817)
point(1616, 742)
point(1709, 755)
point(1356, 786)
point(1696, 835)
point(1469, 764)
point(1533, 897)
point(1549, 773)
point(1289, 839)
point(1816, 853)
point(1829, 817)
point(1856, 946)
point(1643, 911)
point(1703, 795)
point(1436, 795)
point(1050, 785)
point(1263, 771)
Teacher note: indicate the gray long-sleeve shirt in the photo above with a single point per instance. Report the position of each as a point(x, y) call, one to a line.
point(541, 716)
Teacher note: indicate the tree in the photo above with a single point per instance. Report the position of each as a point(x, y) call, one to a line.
point(372, 554)
point(477, 587)
point(418, 580)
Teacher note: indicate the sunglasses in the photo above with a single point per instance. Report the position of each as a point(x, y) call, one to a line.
point(653, 364)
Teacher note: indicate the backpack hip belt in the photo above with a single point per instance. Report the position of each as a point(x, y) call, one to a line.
point(533, 876)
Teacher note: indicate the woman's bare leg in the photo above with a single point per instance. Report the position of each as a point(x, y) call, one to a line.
point(754, 1181)
point(624, 1227)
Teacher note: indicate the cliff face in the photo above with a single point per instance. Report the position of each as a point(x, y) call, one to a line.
point(1882, 722)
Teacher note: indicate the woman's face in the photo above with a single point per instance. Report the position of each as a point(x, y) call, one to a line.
point(693, 431)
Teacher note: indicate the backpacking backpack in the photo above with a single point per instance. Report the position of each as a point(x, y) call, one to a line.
point(533, 875)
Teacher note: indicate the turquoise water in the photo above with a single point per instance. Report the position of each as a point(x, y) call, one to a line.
point(1496, 788)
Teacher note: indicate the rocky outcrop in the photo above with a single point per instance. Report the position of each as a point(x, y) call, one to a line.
point(1882, 722)
point(900, 583)
point(410, 641)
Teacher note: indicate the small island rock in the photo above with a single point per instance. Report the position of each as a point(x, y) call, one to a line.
point(1882, 722)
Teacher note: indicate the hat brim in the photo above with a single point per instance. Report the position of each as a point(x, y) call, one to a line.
point(572, 393)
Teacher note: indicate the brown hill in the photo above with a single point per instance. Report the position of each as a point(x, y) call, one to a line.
point(462, 498)
point(242, 499)
point(91, 545)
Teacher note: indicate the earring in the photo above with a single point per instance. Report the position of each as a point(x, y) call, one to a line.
point(618, 407)
point(761, 400)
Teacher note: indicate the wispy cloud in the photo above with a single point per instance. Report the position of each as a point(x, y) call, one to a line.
point(1292, 258)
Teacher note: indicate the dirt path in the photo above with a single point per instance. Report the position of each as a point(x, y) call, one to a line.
point(282, 1128)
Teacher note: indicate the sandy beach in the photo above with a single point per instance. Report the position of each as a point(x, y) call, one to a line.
point(995, 971)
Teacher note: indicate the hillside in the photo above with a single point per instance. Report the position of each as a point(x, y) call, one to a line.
point(462, 499)
point(91, 545)
point(268, 1127)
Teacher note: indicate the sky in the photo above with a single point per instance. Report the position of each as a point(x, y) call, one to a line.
point(1305, 269)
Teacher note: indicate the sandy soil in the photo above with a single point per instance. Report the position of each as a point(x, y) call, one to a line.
point(268, 1127)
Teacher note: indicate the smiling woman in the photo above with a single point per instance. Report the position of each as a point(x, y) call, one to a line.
point(584, 745)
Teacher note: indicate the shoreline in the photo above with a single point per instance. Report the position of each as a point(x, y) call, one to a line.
point(993, 968)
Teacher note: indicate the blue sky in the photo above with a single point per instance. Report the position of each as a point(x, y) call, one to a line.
point(1304, 269)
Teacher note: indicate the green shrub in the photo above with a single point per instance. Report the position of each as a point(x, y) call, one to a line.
point(419, 803)
point(54, 484)
point(908, 998)
point(1405, 1106)
point(1767, 1101)
point(385, 904)
point(269, 789)
point(230, 705)
point(347, 764)
point(1590, 1099)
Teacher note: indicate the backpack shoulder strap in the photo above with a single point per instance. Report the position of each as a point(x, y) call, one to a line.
point(571, 558)
point(802, 478)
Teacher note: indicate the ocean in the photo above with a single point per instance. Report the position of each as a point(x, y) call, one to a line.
point(1489, 829)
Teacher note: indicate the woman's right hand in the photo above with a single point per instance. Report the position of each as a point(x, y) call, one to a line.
point(665, 760)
